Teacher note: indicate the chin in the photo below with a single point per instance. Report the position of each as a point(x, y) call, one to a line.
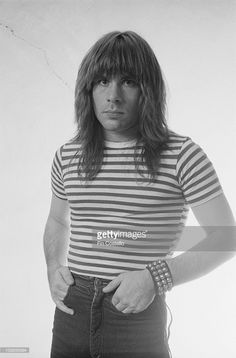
point(113, 126)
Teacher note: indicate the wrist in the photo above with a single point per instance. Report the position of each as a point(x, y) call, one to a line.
point(150, 280)
point(161, 276)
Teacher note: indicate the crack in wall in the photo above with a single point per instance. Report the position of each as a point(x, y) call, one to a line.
point(44, 52)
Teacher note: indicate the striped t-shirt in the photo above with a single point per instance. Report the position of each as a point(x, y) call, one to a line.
point(121, 220)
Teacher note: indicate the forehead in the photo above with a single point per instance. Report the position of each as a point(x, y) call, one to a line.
point(115, 75)
point(113, 63)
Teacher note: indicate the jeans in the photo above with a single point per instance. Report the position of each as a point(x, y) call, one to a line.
point(98, 330)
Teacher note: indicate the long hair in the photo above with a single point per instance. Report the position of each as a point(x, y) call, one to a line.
point(121, 53)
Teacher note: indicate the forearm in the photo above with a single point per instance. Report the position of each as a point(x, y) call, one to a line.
point(204, 257)
point(55, 242)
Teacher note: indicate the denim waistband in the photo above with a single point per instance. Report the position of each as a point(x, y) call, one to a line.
point(92, 281)
point(89, 280)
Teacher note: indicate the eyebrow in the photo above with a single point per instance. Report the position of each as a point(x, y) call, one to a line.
point(120, 75)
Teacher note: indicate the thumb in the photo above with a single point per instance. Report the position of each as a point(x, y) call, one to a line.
point(67, 276)
point(112, 285)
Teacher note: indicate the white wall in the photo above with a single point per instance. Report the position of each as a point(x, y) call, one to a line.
point(42, 44)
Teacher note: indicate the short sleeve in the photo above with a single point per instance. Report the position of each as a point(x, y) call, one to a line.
point(57, 184)
point(196, 174)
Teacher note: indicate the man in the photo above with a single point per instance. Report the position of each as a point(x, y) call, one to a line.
point(127, 181)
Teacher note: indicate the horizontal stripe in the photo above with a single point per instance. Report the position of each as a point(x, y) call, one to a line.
point(123, 187)
point(121, 199)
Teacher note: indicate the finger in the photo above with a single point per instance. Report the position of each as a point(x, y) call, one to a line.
point(67, 276)
point(64, 308)
point(120, 307)
point(60, 294)
point(112, 285)
point(63, 293)
point(127, 310)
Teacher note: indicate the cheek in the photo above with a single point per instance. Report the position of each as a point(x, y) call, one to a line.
point(97, 101)
point(135, 104)
point(133, 98)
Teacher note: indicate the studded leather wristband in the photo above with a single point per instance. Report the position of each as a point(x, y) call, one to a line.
point(161, 276)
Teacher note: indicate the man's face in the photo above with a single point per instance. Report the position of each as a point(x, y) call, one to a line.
point(115, 102)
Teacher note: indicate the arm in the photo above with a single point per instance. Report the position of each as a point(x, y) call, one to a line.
point(55, 242)
point(136, 289)
point(218, 246)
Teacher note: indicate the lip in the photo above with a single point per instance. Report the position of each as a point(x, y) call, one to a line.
point(113, 112)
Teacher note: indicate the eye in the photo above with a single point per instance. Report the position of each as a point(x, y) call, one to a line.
point(103, 81)
point(129, 82)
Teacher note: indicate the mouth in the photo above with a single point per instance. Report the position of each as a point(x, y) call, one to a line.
point(113, 112)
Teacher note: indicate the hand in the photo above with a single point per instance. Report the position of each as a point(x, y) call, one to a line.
point(60, 279)
point(135, 291)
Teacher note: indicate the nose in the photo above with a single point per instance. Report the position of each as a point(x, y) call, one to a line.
point(114, 92)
